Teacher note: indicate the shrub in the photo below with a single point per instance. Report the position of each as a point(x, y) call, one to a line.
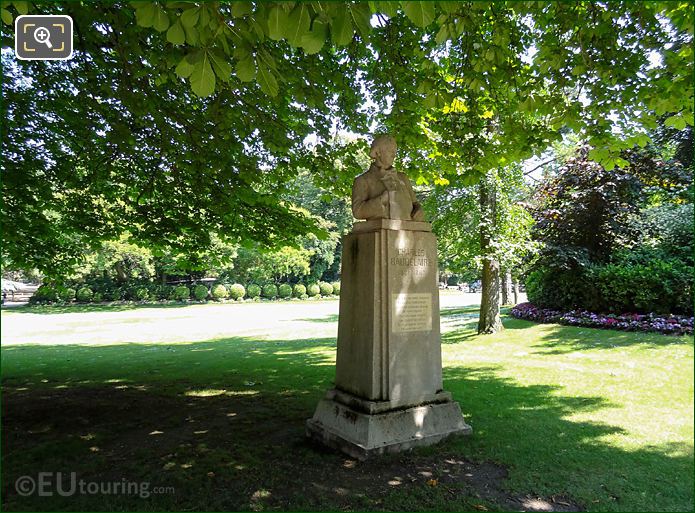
point(299, 290)
point(253, 291)
point(304, 296)
point(326, 288)
point(237, 291)
point(313, 289)
point(182, 292)
point(97, 297)
point(219, 292)
point(270, 291)
point(643, 280)
point(67, 294)
point(162, 292)
point(200, 292)
point(45, 294)
point(171, 293)
point(660, 284)
point(285, 291)
point(115, 294)
point(336, 288)
point(84, 294)
point(563, 289)
point(141, 293)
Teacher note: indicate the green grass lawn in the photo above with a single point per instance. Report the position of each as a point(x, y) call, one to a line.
point(563, 418)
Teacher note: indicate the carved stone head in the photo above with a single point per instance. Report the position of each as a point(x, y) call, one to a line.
point(383, 151)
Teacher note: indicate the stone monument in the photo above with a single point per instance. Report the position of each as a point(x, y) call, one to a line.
point(388, 392)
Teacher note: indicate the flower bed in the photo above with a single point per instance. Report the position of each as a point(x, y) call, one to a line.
point(669, 324)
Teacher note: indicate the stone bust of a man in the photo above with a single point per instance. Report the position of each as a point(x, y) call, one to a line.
point(382, 192)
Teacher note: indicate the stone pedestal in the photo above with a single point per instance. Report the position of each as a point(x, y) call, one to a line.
point(388, 390)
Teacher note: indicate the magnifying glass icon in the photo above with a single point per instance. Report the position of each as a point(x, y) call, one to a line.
point(43, 36)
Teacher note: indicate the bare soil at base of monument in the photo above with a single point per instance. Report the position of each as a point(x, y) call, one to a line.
point(207, 451)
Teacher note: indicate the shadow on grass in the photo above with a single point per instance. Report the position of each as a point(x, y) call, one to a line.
point(472, 310)
point(558, 339)
point(222, 422)
point(87, 308)
point(327, 318)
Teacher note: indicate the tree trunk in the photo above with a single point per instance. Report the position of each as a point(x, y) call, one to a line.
point(503, 287)
point(489, 320)
point(506, 287)
point(516, 292)
point(120, 273)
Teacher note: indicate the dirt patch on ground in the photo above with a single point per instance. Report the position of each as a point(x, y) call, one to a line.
point(224, 450)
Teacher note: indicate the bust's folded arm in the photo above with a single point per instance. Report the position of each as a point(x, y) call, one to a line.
point(362, 206)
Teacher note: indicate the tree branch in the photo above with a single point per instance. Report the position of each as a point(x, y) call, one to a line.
point(540, 166)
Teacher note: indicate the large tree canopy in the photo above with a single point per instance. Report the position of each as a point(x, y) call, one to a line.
point(177, 120)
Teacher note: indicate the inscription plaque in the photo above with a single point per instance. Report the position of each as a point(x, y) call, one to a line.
point(411, 312)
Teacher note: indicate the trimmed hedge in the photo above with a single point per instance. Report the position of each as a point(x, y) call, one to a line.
point(313, 289)
point(182, 292)
point(285, 291)
point(270, 291)
point(253, 291)
point(299, 290)
point(115, 294)
point(45, 294)
point(84, 294)
point(67, 294)
point(141, 290)
point(219, 292)
point(200, 292)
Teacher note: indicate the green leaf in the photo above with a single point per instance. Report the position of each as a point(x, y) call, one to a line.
point(184, 68)
point(204, 19)
point(22, 7)
point(192, 37)
point(312, 41)
point(450, 7)
point(240, 9)
point(341, 27)
point(189, 17)
point(390, 9)
point(175, 34)
point(298, 23)
point(431, 100)
point(277, 20)
point(246, 69)
point(420, 13)
point(361, 15)
point(161, 20)
point(6, 17)
point(443, 34)
point(266, 80)
point(144, 16)
point(203, 79)
point(222, 68)
point(677, 122)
